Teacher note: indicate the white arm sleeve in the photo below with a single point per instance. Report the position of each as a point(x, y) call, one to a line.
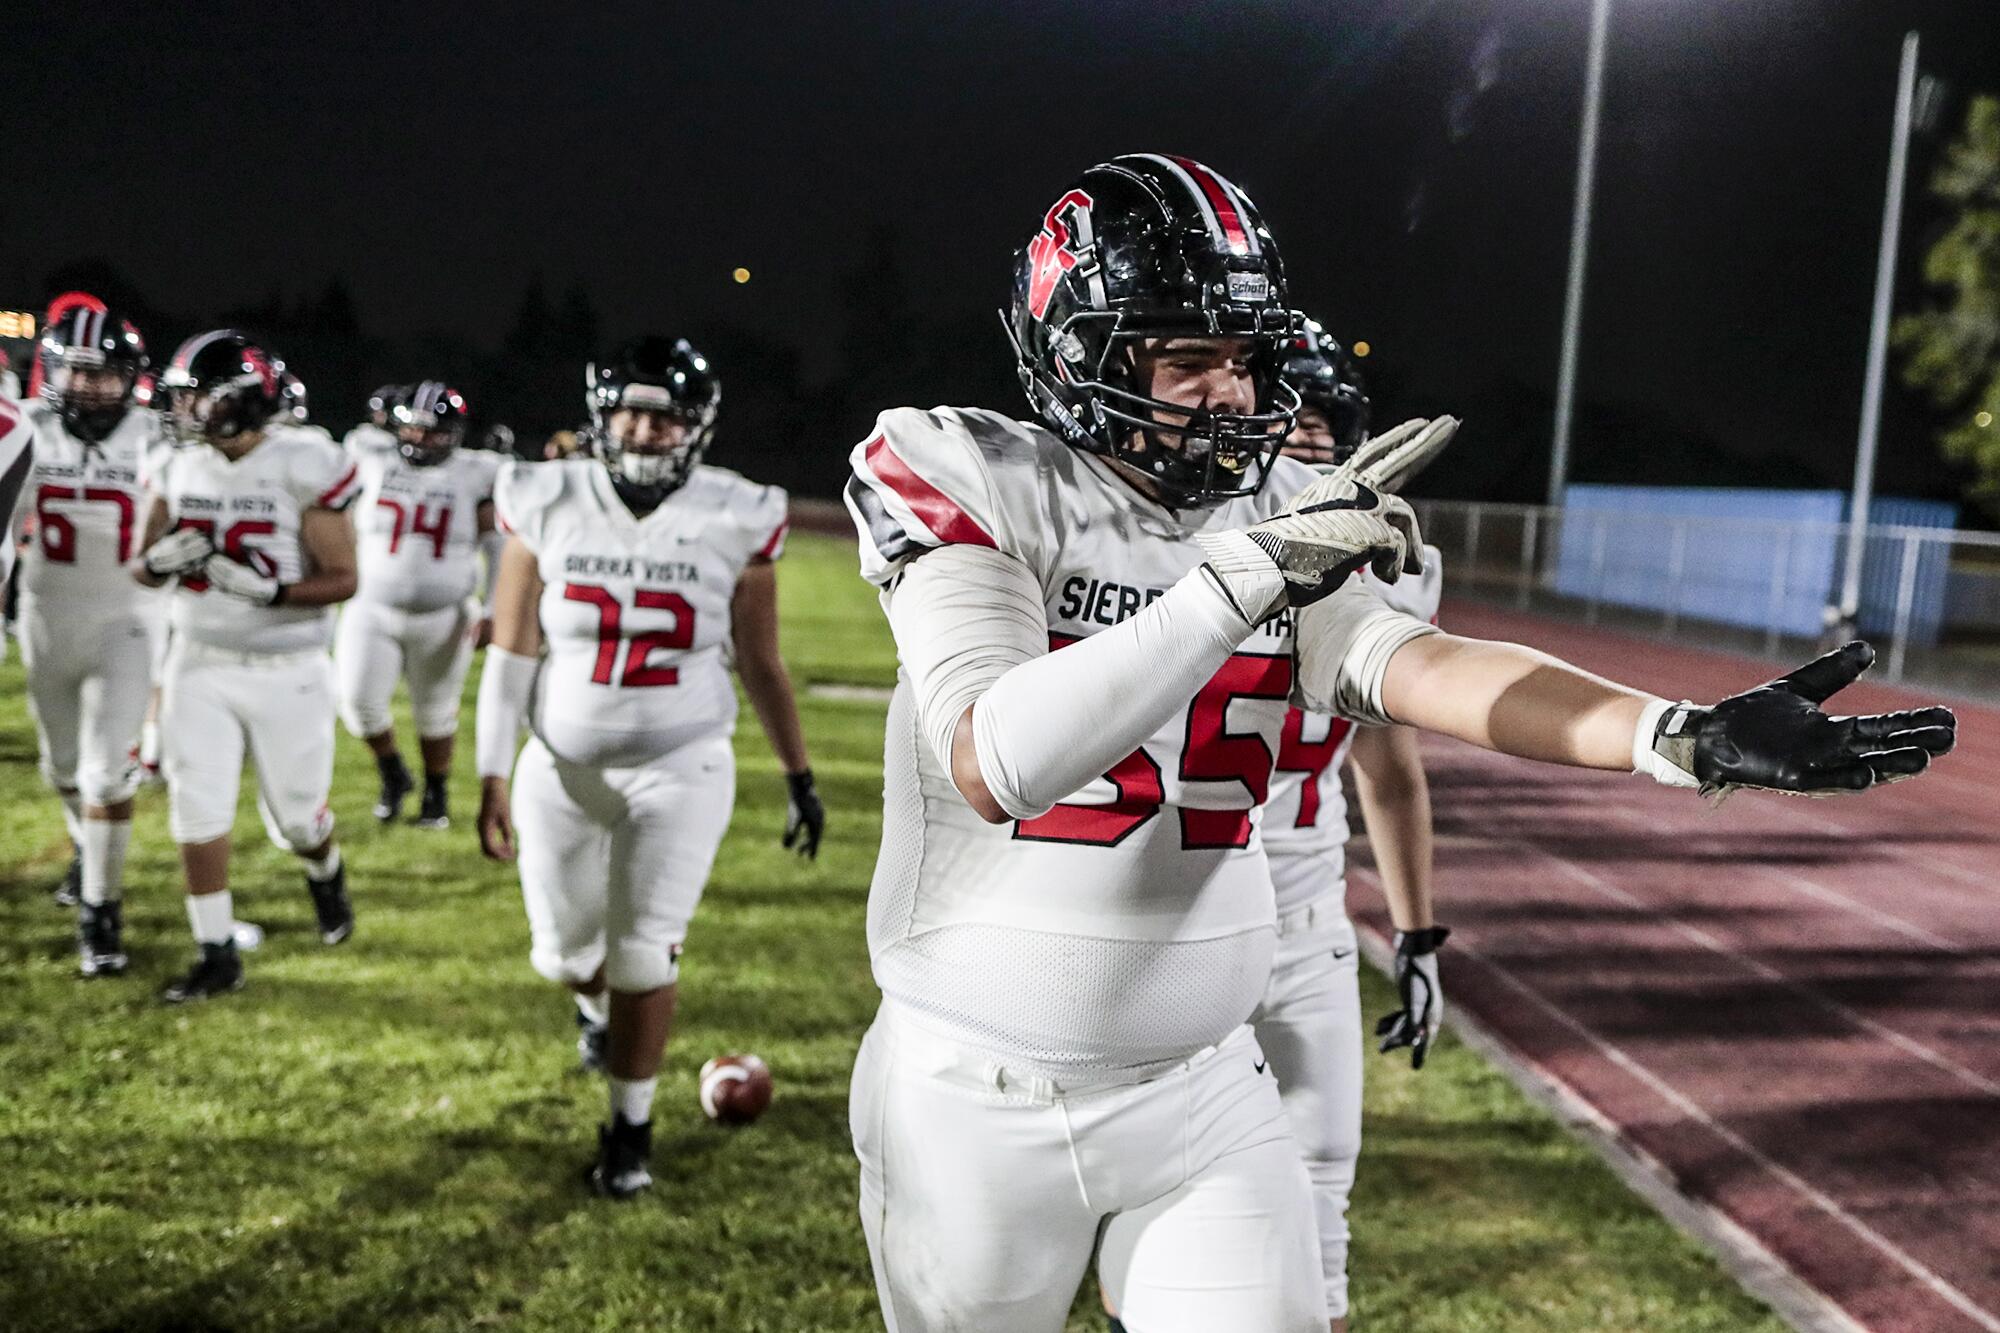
point(971, 629)
point(1345, 642)
point(505, 686)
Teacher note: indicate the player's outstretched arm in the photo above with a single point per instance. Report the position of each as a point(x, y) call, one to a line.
point(1395, 801)
point(753, 613)
point(1516, 700)
point(505, 683)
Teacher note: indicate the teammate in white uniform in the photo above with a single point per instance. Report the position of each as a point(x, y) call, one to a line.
point(87, 631)
point(1310, 1022)
point(1072, 917)
point(249, 520)
point(425, 516)
point(647, 576)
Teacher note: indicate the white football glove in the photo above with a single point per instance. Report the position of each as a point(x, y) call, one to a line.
point(1339, 523)
point(181, 551)
point(225, 575)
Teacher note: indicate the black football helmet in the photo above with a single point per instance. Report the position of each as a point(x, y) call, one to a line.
point(652, 374)
point(1141, 247)
point(430, 421)
point(219, 385)
point(1323, 375)
point(85, 340)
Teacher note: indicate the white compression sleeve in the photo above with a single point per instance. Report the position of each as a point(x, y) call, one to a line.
point(971, 629)
point(1345, 642)
point(505, 686)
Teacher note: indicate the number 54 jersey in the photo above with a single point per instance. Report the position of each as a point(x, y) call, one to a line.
point(416, 529)
point(635, 611)
point(1132, 925)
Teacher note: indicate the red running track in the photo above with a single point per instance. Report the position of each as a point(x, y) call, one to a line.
point(1792, 1005)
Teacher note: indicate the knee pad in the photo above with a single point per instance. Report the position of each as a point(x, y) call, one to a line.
point(362, 720)
point(438, 723)
point(641, 965)
point(300, 836)
point(108, 786)
point(567, 969)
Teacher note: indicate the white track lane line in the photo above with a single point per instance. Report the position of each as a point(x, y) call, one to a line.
point(1902, 1041)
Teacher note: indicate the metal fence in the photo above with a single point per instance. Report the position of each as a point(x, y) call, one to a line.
point(1930, 596)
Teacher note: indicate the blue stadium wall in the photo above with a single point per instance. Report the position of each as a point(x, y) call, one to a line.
point(1755, 558)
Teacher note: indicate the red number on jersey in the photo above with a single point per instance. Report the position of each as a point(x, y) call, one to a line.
point(610, 633)
point(1298, 755)
point(1211, 753)
point(435, 524)
point(58, 532)
point(235, 546)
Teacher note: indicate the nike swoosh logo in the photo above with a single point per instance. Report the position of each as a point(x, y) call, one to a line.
point(1363, 498)
point(1260, 1066)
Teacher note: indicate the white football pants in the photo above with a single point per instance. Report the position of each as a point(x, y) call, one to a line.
point(1310, 1026)
point(376, 644)
point(984, 1192)
point(613, 860)
point(88, 682)
point(216, 708)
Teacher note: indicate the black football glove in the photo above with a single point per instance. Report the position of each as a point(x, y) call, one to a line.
point(1416, 1024)
point(1775, 738)
point(805, 817)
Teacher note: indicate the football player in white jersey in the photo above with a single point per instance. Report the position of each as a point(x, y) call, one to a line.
point(1072, 917)
point(87, 632)
point(249, 522)
point(646, 574)
point(1310, 1022)
point(425, 517)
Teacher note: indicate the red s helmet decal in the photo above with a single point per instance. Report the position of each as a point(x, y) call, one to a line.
point(1052, 252)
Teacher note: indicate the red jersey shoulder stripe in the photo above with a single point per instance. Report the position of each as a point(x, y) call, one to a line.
point(769, 550)
point(338, 494)
point(927, 502)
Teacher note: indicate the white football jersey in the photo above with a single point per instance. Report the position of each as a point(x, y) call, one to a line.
point(251, 508)
point(1133, 924)
point(635, 612)
point(416, 529)
point(1305, 819)
point(88, 508)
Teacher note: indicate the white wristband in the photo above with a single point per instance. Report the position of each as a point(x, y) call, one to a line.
point(1647, 760)
point(505, 687)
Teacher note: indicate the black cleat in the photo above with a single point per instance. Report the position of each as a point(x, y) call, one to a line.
point(100, 946)
point(218, 971)
point(68, 891)
point(434, 813)
point(396, 785)
point(620, 1169)
point(330, 905)
point(592, 1042)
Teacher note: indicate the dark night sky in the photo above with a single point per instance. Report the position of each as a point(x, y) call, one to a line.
point(1415, 159)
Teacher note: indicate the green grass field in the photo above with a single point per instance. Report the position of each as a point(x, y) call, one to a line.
point(388, 1134)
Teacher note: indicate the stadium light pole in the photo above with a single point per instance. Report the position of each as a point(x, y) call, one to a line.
point(1878, 334)
point(1579, 248)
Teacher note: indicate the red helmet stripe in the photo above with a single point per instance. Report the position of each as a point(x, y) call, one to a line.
point(1221, 197)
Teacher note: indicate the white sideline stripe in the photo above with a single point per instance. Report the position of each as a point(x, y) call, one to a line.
point(1744, 1257)
point(1902, 1041)
point(1814, 889)
point(872, 694)
point(1679, 1101)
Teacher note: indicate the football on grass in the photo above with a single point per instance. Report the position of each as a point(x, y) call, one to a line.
point(735, 1089)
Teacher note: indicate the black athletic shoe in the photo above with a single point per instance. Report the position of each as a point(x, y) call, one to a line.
point(68, 891)
point(620, 1169)
point(100, 947)
point(396, 785)
point(434, 812)
point(593, 1040)
point(218, 971)
point(330, 905)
